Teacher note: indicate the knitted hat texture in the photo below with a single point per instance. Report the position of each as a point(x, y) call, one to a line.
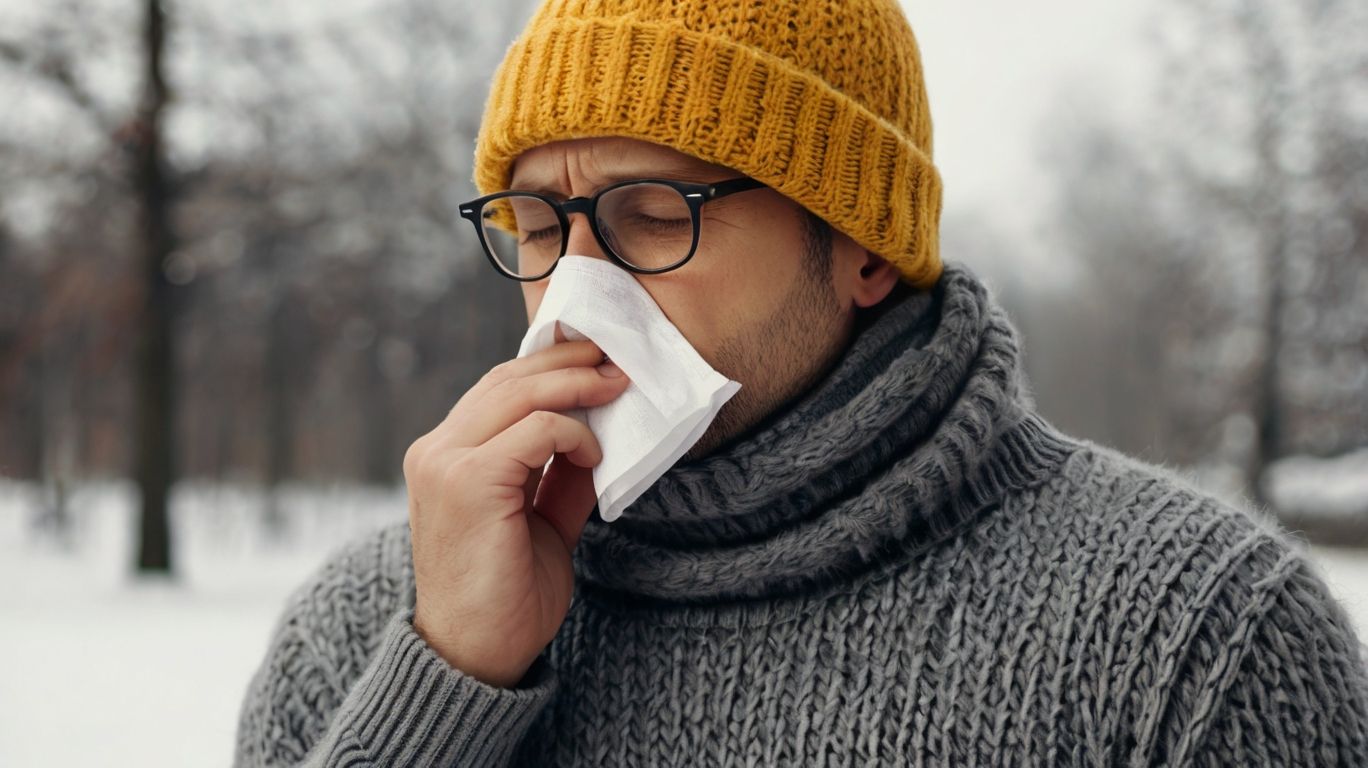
point(823, 100)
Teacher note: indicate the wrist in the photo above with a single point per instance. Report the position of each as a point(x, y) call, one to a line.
point(459, 658)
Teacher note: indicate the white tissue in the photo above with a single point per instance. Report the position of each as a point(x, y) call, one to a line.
point(673, 395)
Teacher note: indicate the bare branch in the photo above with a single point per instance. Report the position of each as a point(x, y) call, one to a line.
point(56, 71)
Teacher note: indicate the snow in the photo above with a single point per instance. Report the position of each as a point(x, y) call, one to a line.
point(1310, 486)
point(105, 670)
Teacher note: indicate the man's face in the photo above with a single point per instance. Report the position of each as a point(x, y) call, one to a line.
point(766, 300)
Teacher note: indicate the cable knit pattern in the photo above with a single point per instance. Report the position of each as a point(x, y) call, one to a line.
point(905, 566)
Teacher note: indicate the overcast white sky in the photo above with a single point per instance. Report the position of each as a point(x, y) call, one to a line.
point(993, 67)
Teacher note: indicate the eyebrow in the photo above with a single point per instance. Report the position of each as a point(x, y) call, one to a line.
point(674, 173)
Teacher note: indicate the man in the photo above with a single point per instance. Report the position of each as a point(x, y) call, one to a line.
point(879, 553)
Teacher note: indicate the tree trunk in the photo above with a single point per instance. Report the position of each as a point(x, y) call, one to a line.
point(155, 356)
point(1270, 211)
point(281, 361)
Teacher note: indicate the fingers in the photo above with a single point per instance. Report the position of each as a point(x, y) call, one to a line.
point(533, 482)
point(556, 356)
point(563, 355)
point(525, 447)
point(566, 499)
point(512, 400)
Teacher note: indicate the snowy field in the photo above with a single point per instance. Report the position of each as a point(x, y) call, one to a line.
point(102, 670)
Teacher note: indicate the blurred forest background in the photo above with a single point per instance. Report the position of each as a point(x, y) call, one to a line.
point(233, 289)
point(228, 248)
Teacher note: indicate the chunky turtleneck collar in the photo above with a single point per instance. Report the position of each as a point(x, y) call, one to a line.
point(924, 422)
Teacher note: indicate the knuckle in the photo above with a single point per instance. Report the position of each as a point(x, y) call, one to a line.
point(576, 380)
point(458, 471)
point(454, 410)
point(509, 391)
point(544, 420)
point(413, 458)
point(500, 373)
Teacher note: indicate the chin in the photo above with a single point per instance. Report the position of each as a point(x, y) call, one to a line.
point(712, 437)
point(699, 450)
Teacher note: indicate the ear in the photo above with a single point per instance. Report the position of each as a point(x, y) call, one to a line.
point(870, 276)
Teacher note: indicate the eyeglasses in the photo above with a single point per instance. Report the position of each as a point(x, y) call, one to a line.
point(647, 226)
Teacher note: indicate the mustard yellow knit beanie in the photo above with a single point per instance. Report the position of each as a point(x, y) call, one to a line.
point(823, 100)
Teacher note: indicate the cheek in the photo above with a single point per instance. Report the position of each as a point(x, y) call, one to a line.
point(750, 261)
point(765, 256)
point(732, 287)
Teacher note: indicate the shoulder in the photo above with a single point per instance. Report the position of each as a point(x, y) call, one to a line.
point(1157, 513)
point(357, 585)
point(1150, 526)
point(1215, 634)
point(321, 642)
point(349, 597)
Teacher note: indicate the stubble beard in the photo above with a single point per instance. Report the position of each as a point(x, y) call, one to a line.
point(776, 360)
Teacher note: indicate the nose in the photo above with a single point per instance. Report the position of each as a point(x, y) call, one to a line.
point(582, 241)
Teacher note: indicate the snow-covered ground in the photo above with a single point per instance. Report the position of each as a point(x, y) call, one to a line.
point(100, 669)
point(103, 670)
point(1322, 487)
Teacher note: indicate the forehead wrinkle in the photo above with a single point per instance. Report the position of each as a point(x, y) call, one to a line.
point(596, 181)
point(605, 164)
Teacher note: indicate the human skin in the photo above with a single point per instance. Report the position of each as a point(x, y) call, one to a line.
point(492, 537)
point(750, 301)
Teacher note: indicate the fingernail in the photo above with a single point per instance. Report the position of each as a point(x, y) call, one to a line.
point(610, 369)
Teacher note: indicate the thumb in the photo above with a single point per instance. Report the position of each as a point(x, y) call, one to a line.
point(566, 498)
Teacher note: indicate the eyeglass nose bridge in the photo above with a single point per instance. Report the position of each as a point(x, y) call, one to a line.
point(586, 206)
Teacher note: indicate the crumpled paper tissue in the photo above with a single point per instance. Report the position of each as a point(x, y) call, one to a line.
point(673, 394)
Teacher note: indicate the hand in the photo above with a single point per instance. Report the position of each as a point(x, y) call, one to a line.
point(492, 566)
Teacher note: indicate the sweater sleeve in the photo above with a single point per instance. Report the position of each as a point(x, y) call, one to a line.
point(348, 681)
point(1287, 686)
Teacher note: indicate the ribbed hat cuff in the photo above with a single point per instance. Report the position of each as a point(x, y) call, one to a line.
point(725, 103)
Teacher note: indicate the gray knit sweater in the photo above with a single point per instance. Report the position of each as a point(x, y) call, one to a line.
point(906, 565)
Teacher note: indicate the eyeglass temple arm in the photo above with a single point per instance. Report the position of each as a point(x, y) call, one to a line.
point(723, 188)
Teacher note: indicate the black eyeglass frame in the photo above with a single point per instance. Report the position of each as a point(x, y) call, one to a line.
point(695, 194)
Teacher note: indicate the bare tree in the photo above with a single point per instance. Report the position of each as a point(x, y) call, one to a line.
point(1273, 101)
point(1226, 236)
point(315, 302)
point(156, 388)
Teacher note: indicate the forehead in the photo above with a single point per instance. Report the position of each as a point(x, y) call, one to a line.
point(603, 160)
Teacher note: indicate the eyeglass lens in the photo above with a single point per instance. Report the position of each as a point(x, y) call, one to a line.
point(647, 225)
